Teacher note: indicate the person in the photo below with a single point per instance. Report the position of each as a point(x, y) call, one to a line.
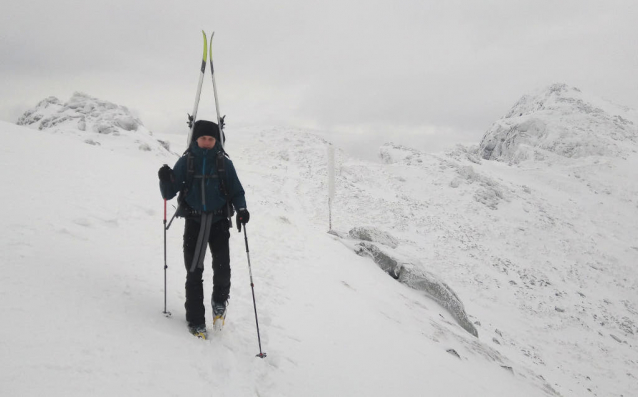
point(209, 185)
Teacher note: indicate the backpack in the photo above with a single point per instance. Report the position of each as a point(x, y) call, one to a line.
point(183, 209)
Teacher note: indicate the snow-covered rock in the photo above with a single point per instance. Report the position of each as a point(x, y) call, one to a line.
point(96, 121)
point(373, 234)
point(392, 153)
point(414, 275)
point(562, 121)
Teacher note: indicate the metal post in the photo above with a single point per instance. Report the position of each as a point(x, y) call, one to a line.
point(331, 182)
point(329, 214)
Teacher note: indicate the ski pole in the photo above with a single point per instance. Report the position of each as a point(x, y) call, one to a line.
point(252, 286)
point(166, 313)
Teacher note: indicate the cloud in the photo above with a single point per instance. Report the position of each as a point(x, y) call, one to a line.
point(446, 68)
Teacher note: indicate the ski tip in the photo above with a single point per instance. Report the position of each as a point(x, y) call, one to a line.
point(205, 51)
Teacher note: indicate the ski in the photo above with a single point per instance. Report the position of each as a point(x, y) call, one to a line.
point(193, 117)
point(220, 119)
point(212, 72)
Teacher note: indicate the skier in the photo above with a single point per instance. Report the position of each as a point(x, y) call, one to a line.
point(209, 186)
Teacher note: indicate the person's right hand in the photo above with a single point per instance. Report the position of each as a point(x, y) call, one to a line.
point(165, 174)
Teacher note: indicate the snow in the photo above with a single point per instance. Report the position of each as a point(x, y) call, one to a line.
point(541, 254)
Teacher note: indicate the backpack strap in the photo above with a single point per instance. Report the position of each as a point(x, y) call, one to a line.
point(190, 169)
point(223, 183)
point(183, 209)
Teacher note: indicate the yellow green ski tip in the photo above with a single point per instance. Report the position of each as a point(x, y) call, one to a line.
point(205, 47)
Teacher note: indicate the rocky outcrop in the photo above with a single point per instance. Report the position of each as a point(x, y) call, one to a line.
point(562, 121)
point(416, 277)
point(95, 117)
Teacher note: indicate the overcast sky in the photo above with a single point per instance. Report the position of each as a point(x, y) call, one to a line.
point(422, 73)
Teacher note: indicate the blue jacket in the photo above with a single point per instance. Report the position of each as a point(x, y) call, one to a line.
point(212, 199)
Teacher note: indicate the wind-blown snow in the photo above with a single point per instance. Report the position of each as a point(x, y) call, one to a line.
point(541, 254)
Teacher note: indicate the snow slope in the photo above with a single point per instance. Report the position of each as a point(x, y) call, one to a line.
point(541, 254)
point(82, 293)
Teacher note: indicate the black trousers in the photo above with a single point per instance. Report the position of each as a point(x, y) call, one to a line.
point(218, 243)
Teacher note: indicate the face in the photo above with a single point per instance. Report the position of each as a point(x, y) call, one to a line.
point(206, 142)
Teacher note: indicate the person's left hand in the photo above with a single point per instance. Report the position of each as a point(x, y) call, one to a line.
point(243, 216)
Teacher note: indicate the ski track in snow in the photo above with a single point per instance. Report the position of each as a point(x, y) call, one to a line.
point(82, 284)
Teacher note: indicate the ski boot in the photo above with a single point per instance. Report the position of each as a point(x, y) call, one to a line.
point(198, 330)
point(219, 315)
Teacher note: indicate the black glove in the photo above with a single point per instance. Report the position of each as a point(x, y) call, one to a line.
point(165, 174)
point(243, 216)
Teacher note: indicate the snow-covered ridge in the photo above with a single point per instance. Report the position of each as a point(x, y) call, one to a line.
point(563, 121)
point(537, 253)
point(96, 121)
point(541, 254)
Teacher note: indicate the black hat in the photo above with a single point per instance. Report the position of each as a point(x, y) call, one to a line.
point(205, 127)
